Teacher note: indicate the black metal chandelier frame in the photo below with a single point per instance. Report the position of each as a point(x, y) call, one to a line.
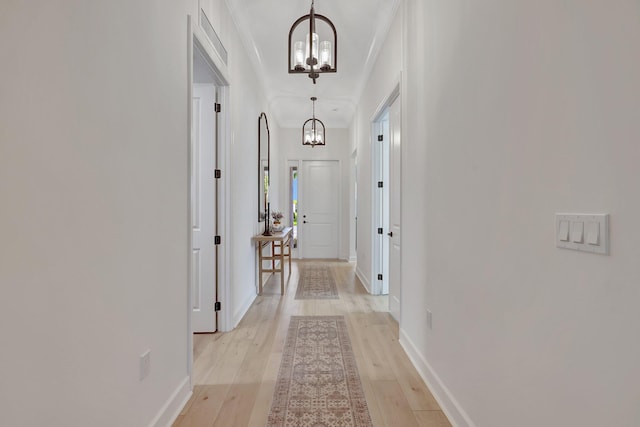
point(314, 128)
point(314, 70)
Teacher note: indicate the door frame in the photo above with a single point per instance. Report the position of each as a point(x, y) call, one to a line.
point(290, 163)
point(353, 207)
point(377, 245)
point(197, 38)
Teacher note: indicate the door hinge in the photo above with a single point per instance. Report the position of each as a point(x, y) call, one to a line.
point(217, 240)
point(380, 184)
point(217, 107)
point(379, 276)
point(217, 306)
point(217, 173)
point(380, 137)
point(379, 230)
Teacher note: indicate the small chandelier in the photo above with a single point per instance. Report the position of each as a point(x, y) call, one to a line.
point(314, 56)
point(313, 129)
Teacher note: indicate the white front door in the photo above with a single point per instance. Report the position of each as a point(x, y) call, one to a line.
point(203, 208)
point(318, 208)
point(395, 164)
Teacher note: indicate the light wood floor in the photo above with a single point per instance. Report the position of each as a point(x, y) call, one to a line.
point(235, 372)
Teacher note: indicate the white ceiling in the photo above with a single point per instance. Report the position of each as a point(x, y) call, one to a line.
point(361, 25)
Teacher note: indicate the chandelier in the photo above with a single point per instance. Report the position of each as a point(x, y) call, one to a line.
point(313, 129)
point(317, 52)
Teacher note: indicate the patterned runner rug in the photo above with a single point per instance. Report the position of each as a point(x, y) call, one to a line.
point(316, 282)
point(318, 382)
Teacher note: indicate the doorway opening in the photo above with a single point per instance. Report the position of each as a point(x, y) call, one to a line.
point(208, 190)
point(386, 215)
point(353, 208)
point(381, 204)
point(293, 203)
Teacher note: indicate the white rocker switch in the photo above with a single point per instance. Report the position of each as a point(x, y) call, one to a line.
point(577, 232)
point(593, 233)
point(563, 232)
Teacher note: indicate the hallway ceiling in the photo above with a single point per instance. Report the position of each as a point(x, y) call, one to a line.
point(362, 26)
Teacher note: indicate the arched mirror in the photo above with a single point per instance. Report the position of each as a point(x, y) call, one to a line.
point(264, 142)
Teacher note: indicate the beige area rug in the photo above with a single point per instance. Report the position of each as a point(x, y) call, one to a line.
point(318, 383)
point(316, 282)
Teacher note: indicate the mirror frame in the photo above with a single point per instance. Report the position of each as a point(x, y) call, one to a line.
point(263, 187)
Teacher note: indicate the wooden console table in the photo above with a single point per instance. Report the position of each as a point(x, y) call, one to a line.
point(281, 243)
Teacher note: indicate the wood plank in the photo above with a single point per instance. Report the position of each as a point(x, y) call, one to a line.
point(236, 408)
point(393, 405)
point(432, 419)
point(264, 398)
point(204, 406)
point(413, 387)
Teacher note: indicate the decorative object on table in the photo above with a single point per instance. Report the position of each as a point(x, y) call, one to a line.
point(267, 226)
point(316, 282)
point(307, 54)
point(318, 381)
point(313, 132)
point(277, 220)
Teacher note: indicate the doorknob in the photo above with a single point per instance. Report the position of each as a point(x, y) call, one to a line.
point(304, 222)
point(390, 234)
point(304, 216)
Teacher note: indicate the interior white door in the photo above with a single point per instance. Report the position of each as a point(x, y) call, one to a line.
point(318, 208)
point(395, 165)
point(381, 206)
point(203, 208)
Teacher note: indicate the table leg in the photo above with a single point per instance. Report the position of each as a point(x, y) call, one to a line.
point(282, 267)
point(273, 255)
point(259, 246)
point(290, 247)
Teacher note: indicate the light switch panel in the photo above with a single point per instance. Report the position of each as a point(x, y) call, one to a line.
point(583, 232)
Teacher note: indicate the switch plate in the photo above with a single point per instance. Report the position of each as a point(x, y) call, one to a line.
point(583, 232)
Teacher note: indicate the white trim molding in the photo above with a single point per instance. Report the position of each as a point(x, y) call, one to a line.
point(448, 403)
point(363, 279)
point(239, 314)
point(172, 408)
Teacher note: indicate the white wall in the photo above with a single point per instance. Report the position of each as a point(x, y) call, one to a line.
point(290, 147)
point(385, 76)
point(93, 218)
point(514, 111)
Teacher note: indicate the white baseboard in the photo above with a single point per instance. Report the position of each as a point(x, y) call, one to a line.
point(449, 405)
point(170, 411)
point(353, 258)
point(362, 278)
point(239, 314)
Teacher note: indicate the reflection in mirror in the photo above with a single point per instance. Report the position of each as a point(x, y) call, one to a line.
point(263, 167)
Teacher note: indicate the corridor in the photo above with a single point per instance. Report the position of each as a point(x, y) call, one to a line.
point(235, 372)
